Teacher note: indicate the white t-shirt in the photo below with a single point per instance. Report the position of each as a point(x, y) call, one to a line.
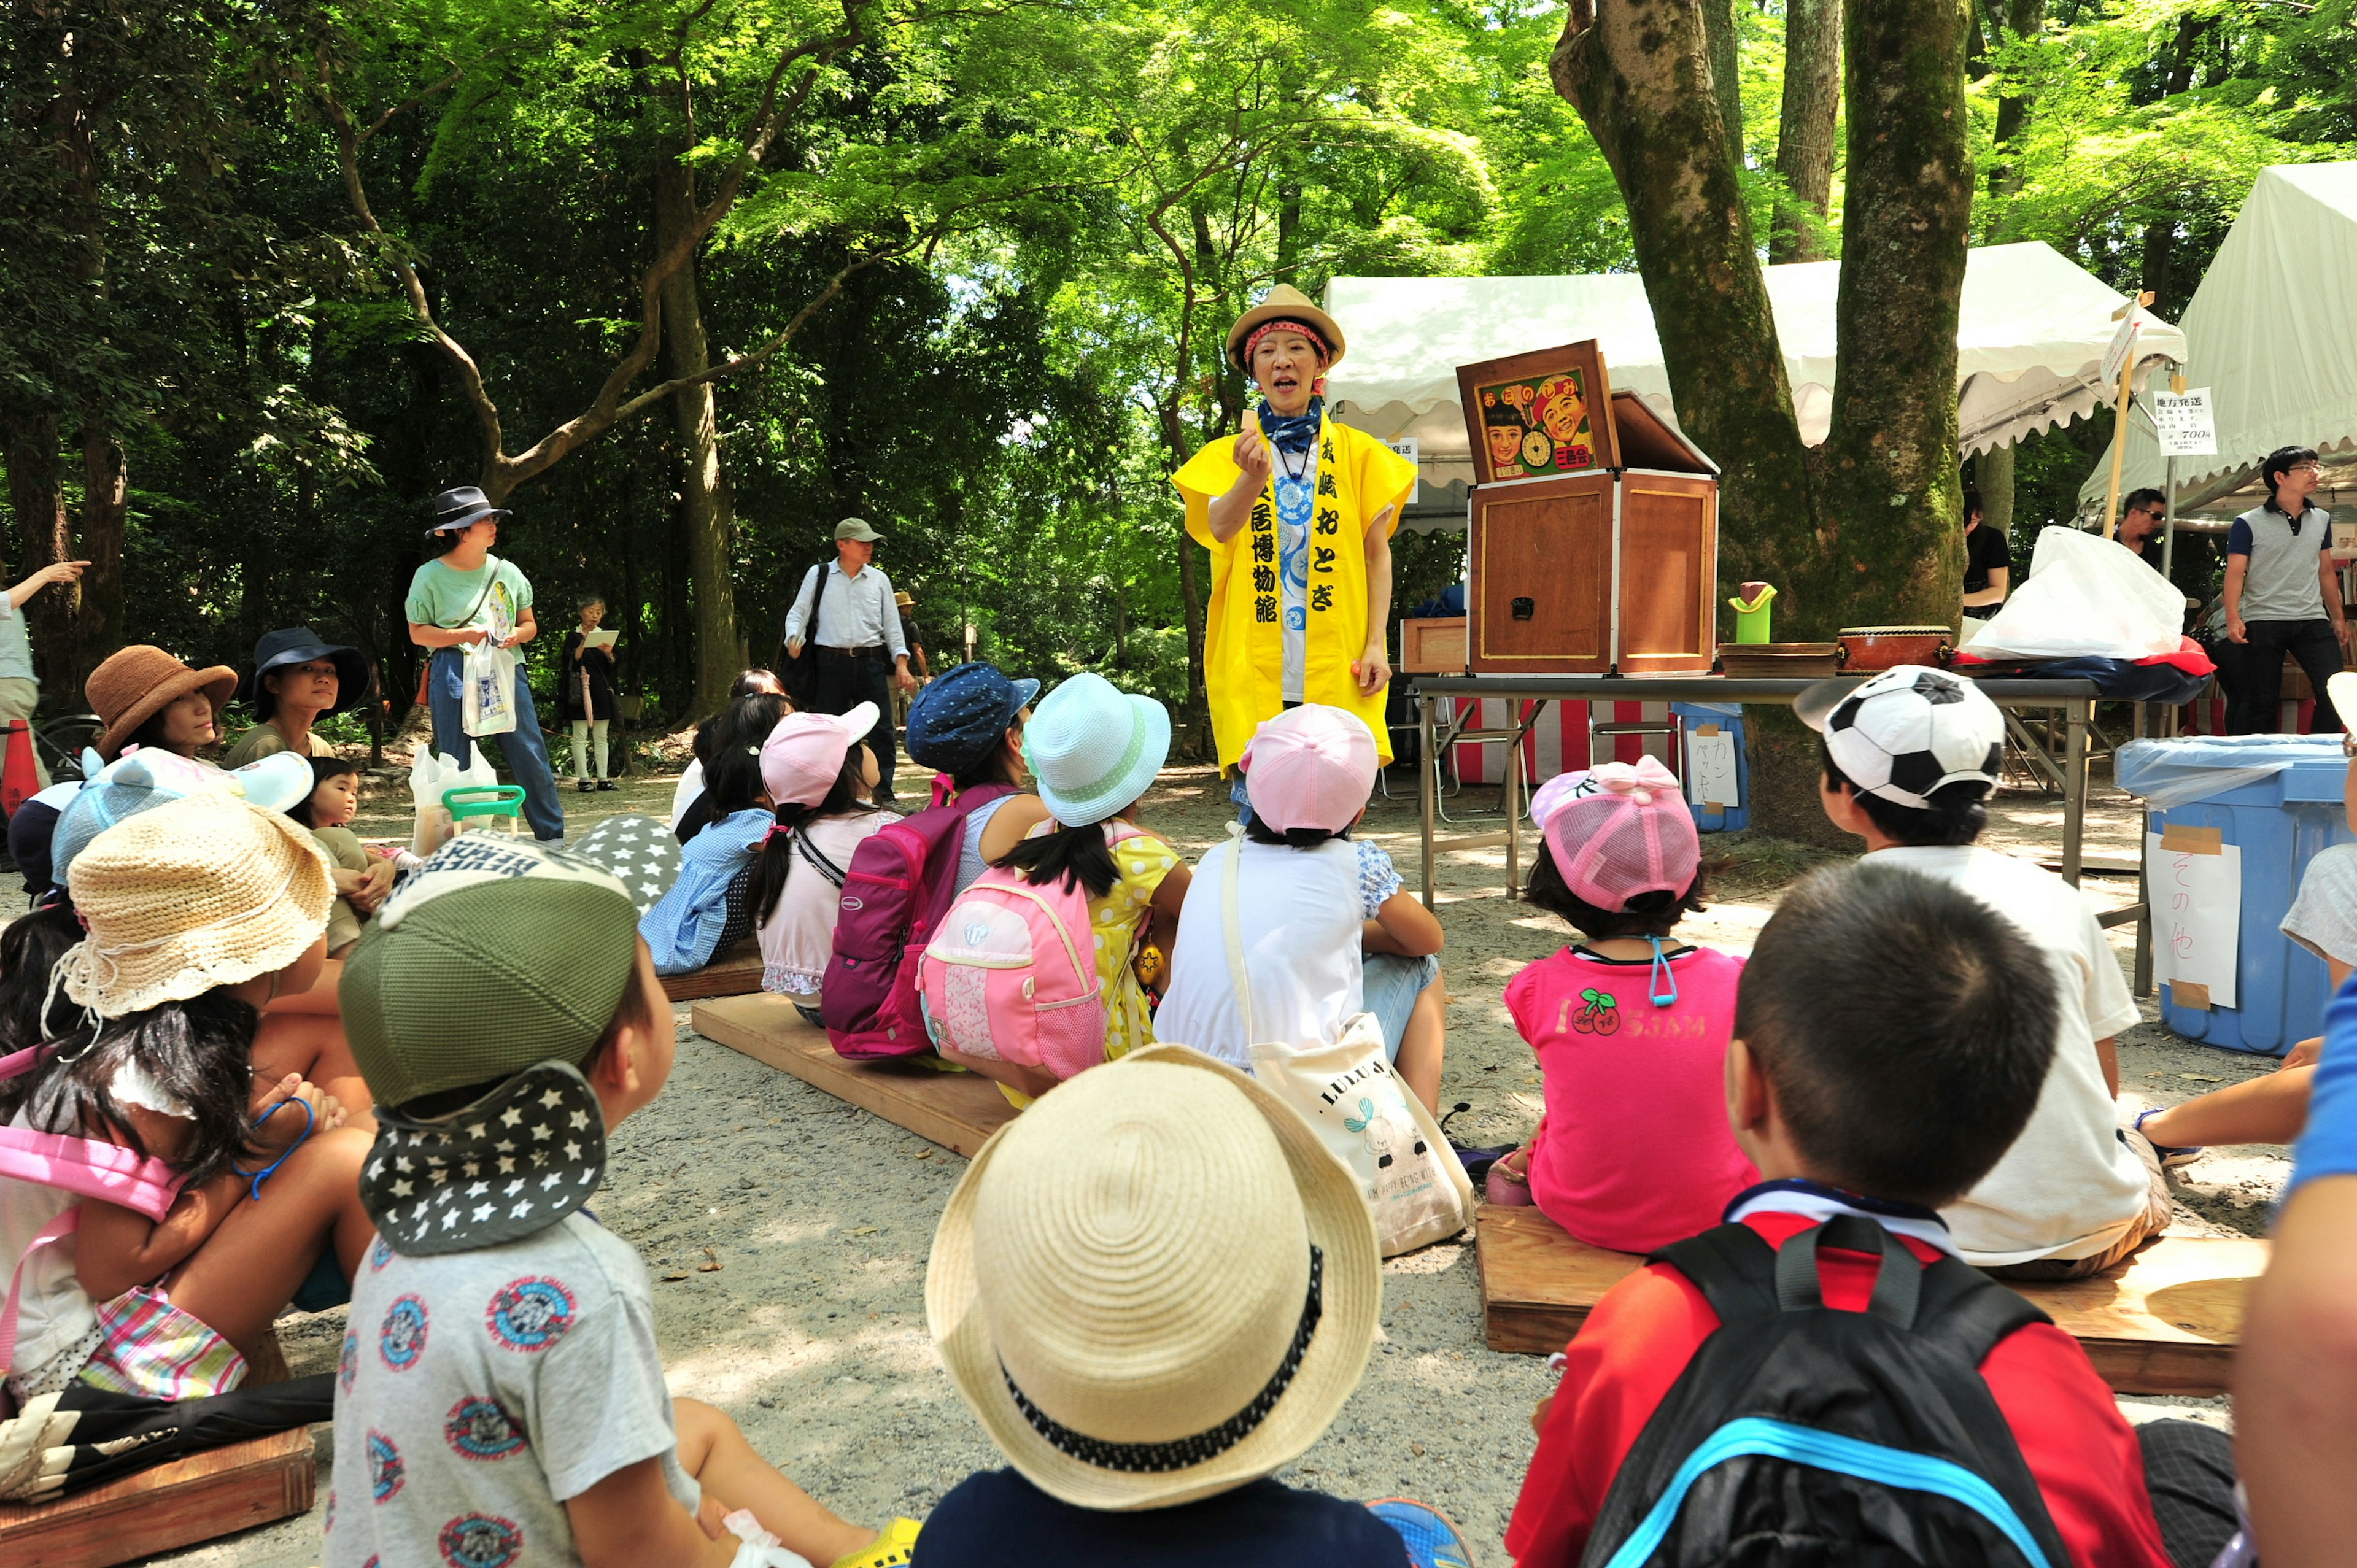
point(683, 795)
point(479, 1391)
point(2069, 1188)
point(1301, 910)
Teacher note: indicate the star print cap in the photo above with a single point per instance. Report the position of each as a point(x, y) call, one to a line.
point(495, 955)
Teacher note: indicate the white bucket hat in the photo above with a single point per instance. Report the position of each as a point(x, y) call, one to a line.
point(1094, 748)
point(1155, 1285)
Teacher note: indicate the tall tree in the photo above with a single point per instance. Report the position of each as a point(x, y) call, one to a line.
point(1639, 73)
point(1805, 135)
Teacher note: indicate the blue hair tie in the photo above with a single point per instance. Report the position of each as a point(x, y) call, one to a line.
point(1658, 975)
point(310, 1120)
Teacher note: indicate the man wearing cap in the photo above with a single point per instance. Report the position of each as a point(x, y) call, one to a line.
point(847, 612)
point(466, 596)
point(1909, 756)
point(1298, 513)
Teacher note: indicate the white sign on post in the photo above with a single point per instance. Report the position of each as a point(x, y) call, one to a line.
point(2195, 881)
point(2185, 423)
point(1710, 769)
point(1406, 446)
point(2122, 341)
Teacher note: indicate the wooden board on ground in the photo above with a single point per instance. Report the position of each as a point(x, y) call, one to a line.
point(730, 974)
point(2166, 1324)
point(956, 1110)
point(196, 1499)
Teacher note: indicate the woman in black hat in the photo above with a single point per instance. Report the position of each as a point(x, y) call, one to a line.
point(296, 681)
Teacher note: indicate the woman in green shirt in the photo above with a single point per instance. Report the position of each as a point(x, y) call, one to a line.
point(465, 597)
point(298, 680)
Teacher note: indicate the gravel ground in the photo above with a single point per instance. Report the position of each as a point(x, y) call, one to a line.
point(811, 1330)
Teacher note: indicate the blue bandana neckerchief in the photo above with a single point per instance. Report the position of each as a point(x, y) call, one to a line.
point(1293, 433)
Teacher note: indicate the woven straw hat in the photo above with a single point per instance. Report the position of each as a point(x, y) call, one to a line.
point(1133, 1254)
point(1284, 302)
point(135, 683)
point(201, 893)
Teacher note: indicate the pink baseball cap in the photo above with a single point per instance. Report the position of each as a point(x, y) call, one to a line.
point(804, 756)
point(1310, 766)
point(1624, 830)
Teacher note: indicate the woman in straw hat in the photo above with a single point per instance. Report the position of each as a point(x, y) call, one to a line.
point(198, 913)
point(1298, 512)
point(144, 696)
point(1155, 1289)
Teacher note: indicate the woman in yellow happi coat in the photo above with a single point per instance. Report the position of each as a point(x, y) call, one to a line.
point(1298, 513)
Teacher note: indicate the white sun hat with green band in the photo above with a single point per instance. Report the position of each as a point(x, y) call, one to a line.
point(1094, 748)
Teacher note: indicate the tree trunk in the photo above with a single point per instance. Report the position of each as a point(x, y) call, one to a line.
point(708, 511)
point(1804, 135)
point(1993, 476)
point(1638, 74)
point(2023, 18)
point(1726, 48)
point(106, 496)
point(1887, 479)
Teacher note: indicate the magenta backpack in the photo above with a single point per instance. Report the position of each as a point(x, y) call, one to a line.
point(1011, 973)
point(898, 886)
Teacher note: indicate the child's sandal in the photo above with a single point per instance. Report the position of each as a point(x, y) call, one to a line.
point(1509, 1186)
point(892, 1549)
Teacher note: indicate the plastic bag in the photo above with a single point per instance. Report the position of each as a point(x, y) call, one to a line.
point(429, 776)
point(760, 1548)
point(2085, 596)
point(487, 676)
point(2167, 773)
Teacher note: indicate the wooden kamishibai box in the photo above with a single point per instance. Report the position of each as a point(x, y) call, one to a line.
point(1595, 525)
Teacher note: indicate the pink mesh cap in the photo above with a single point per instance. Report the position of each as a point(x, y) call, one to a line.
point(1627, 832)
point(1310, 766)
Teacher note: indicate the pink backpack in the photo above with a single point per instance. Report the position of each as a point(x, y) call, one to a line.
point(1010, 974)
point(897, 887)
point(86, 1166)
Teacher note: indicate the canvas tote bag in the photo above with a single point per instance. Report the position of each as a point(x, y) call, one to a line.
point(1411, 1180)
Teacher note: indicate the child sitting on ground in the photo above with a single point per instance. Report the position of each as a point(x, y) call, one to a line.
point(1891, 1035)
point(500, 1395)
point(1629, 1026)
point(1096, 750)
point(361, 879)
point(2077, 1192)
point(709, 908)
point(1327, 930)
point(819, 777)
point(197, 914)
point(1155, 1289)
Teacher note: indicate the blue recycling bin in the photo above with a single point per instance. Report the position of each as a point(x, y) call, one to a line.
point(1735, 816)
point(2280, 799)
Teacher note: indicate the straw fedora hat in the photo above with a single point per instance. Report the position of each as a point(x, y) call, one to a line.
point(1155, 1284)
point(1284, 303)
point(136, 682)
point(199, 894)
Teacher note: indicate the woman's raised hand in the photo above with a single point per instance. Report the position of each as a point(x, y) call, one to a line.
point(1253, 455)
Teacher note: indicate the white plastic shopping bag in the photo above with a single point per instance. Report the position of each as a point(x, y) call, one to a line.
point(489, 677)
point(429, 776)
point(2086, 597)
point(1415, 1184)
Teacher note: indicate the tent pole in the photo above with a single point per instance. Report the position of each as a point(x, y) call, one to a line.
point(2119, 453)
point(2169, 539)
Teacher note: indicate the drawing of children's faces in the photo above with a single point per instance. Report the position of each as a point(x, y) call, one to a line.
point(1505, 444)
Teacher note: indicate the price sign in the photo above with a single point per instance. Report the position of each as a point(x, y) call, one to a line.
point(1406, 446)
point(2186, 424)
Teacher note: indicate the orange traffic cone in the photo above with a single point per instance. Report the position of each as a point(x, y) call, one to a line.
point(18, 783)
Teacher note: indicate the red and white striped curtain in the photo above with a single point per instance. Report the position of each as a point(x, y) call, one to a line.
point(1558, 741)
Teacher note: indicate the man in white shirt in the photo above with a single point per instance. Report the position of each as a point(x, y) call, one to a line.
point(857, 626)
point(1909, 756)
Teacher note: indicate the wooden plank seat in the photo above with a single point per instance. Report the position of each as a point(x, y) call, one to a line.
point(956, 1110)
point(732, 973)
point(197, 1498)
point(2164, 1323)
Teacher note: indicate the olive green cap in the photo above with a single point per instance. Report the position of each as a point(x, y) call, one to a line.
point(495, 955)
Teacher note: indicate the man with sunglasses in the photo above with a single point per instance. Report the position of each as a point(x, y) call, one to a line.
point(2143, 513)
point(2283, 596)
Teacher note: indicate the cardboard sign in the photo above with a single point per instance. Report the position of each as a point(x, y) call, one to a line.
point(2186, 424)
point(2116, 357)
point(2195, 881)
point(1710, 769)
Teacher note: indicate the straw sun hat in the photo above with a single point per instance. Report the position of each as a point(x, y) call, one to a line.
point(202, 892)
point(1123, 1286)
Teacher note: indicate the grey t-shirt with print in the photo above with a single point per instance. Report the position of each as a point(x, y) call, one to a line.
point(2281, 581)
point(478, 1390)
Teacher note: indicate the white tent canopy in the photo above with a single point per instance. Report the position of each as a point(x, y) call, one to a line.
point(2269, 333)
point(2029, 338)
